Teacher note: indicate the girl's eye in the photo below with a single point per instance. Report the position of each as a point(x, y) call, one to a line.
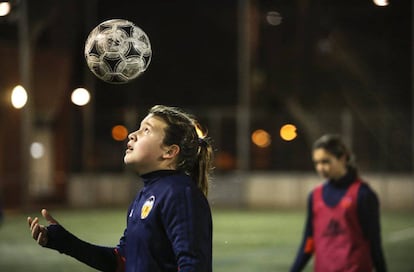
point(146, 130)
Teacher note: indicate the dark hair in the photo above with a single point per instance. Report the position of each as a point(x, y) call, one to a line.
point(196, 153)
point(333, 144)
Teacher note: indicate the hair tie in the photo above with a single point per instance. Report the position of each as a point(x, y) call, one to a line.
point(201, 141)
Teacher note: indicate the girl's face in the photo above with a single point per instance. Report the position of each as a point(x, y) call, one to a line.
point(145, 149)
point(327, 165)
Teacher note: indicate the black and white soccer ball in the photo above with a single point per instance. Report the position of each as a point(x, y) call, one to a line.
point(117, 51)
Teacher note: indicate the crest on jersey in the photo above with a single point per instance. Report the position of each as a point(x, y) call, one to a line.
point(147, 207)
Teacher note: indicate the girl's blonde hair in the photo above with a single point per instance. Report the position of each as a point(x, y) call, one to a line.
point(196, 153)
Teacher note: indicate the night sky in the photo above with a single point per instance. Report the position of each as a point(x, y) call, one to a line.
point(325, 56)
point(319, 47)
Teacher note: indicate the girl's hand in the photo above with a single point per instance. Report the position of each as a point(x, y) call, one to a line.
point(39, 232)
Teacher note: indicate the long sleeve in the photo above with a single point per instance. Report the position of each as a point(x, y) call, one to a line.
point(98, 257)
point(369, 217)
point(188, 225)
point(305, 250)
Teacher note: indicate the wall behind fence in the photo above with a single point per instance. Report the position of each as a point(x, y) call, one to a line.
point(254, 190)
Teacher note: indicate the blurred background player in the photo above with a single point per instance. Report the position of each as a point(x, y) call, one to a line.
point(169, 225)
point(343, 221)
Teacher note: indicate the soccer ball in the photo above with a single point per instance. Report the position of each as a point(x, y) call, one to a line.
point(117, 51)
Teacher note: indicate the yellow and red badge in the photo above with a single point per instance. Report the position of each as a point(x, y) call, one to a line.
point(146, 208)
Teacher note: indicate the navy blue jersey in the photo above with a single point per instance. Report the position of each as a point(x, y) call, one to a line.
point(169, 228)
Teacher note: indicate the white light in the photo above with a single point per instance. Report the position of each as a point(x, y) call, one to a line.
point(19, 97)
point(274, 18)
point(80, 96)
point(324, 46)
point(381, 3)
point(37, 150)
point(4, 8)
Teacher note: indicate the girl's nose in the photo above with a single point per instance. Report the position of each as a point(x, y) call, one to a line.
point(132, 136)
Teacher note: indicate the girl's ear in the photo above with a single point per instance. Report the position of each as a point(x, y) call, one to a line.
point(344, 159)
point(171, 151)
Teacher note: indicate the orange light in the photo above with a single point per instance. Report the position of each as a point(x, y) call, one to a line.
point(119, 133)
point(224, 161)
point(261, 138)
point(288, 132)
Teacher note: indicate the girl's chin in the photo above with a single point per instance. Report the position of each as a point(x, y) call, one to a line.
point(127, 161)
point(131, 167)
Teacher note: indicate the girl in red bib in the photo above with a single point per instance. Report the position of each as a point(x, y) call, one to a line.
point(343, 221)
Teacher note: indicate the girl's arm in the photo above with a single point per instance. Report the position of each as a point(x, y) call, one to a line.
point(56, 237)
point(306, 248)
point(369, 217)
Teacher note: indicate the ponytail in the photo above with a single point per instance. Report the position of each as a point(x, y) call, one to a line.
point(203, 166)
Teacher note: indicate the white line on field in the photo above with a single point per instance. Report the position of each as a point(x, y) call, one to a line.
point(400, 235)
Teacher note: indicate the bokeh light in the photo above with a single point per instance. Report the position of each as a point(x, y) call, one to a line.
point(19, 97)
point(119, 133)
point(4, 8)
point(273, 18)
point(37, 150)
point(80, 96)
point(224, 161)
point(261, 138)
point(288, 132)
point(381, 3)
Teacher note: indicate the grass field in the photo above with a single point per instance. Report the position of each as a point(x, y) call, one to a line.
point(243, 240)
